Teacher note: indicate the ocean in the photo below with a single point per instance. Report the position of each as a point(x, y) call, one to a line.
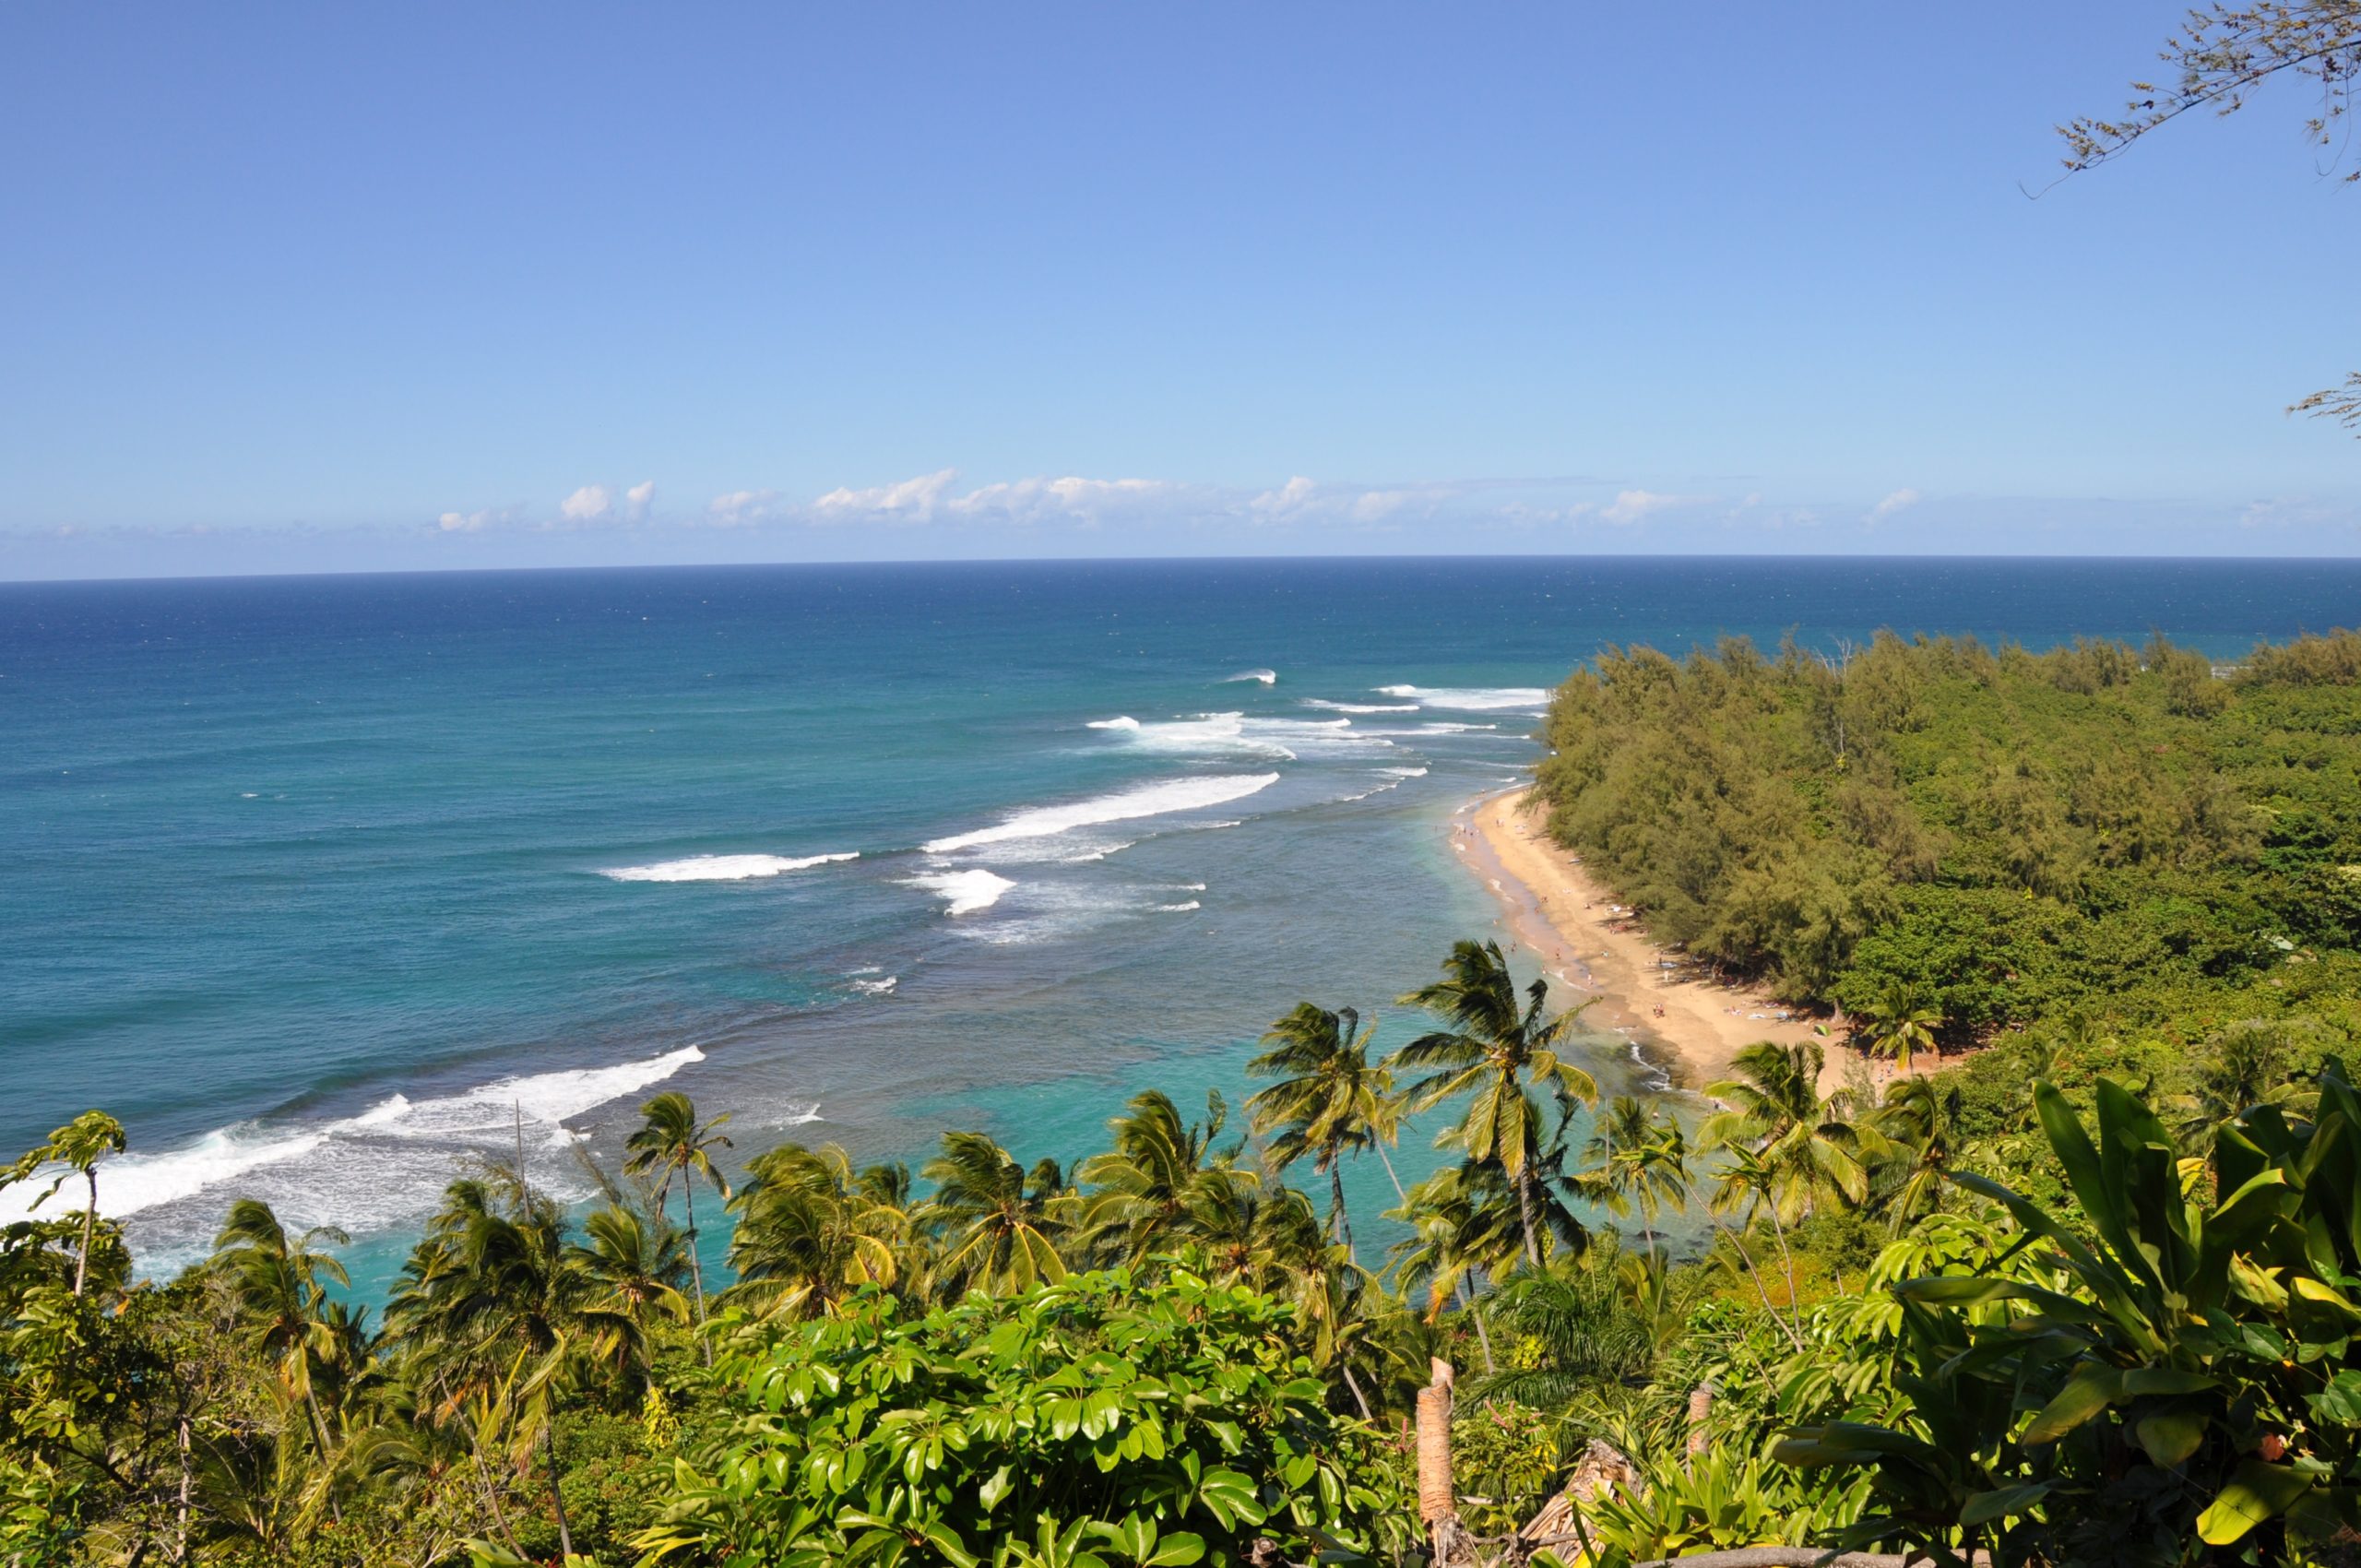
point(322, 883)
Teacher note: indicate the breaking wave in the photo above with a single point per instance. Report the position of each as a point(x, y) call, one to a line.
point(722, 868)
point(1146, 800)
point(1480, 699)
point(964, 892)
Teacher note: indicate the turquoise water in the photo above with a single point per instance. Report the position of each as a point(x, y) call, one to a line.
point(318, 883)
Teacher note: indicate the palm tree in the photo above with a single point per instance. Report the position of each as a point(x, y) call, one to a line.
point(1811, 1149)
point(499, 1296)
point(1744, 1187)
point(812, 1229)
point(634, 1268)
point(1148, 1190)
point(1462, 1225)
point(1641, 1162)
point(670, 1143)
point(275, 1279)
point(1492, 1051)
point(1902, 1022)
point(1922, 1123)
point(1003, 1226)
point(78, 1147)
point(1330, 1100)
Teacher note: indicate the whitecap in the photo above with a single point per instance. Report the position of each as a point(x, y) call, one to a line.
point(1403, 772)
point(876, 987)
point(722, 868)
point(386, 1187)
point(1178, 909)
point(1268, 677)
point(1361, 706)
point(964, 892)
point(1479, 698)
point(1121, 721)
point(1280, 739)
point(1146, 799)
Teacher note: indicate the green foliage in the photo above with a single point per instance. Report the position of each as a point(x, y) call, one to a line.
point(1997, 837)
point(1099, 1421)
point(2182, 1375)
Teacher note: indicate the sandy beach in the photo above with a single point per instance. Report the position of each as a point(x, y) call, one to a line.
point(1691, 1026)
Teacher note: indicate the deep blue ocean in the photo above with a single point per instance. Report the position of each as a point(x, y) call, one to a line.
point(320, 883)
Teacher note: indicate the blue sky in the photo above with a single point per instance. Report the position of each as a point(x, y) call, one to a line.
point(327, 288)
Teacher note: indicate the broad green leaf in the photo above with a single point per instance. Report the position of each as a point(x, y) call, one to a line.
point(2257, 1492)
point(2171, 1436)
point(2088, 1392)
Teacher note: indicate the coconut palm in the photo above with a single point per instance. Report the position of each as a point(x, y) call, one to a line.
point(1494, 1050)
point(1812, 1149)
point(1464, 1226)
point(1902, 1022)
point(1153, 1189)
point(275, 1278)
point(634, 1266)
point(1921, 1123)
point(671, 1142)
point(812, 1229)
point(1330, 1100)
point(1001, 1226)
point(502, 1296)
point(1743, 1186)
point(1641, 1162)
point(78, 1147)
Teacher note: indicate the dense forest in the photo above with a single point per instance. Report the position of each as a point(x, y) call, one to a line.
point(2085, 1288)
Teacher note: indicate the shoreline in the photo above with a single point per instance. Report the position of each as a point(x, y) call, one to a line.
point(1690, 1029)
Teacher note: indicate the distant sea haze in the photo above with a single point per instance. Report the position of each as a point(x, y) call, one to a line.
point(321, 883)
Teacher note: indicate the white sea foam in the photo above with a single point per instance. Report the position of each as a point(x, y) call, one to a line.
point(1146, 800)
point(1268, 677)
point(1361, 706)
point(877, 987)
point(1178, 909)
point(277, 1160)
point(1202, 734)
point(1479, 698)
point(1403, 772)
point(723, 868)
point(964, 892)
point(1121, 721)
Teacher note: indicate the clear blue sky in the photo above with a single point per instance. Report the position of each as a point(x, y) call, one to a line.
point(325, 288)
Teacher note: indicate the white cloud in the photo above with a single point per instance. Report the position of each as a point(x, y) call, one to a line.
point(586, 505)
point(1638, 506)
point(1032, 500)
point(1288, 499)
point(637, 499)
point(742, 506)
point(463, 522)
point(1894, 503)
point(911, 498)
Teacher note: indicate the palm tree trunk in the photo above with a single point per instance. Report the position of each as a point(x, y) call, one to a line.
point(1524, 1213)
point(1353, 1383)
point(1338, 1219)
point(1756, 1275)
point(320, 1435)
point(90, 1233)
point(1468, 1304)
point(1388, 1171)
point(696, 1270)
point(180, 1516)
point(1793, 1306)
point(557, 1503)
